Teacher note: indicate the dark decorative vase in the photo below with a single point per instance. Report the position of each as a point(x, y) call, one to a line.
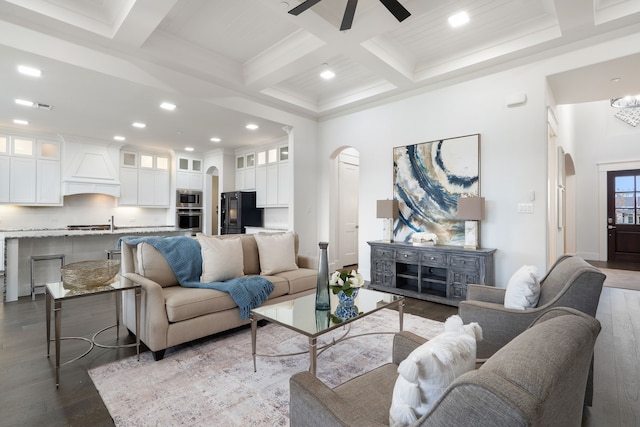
point(322, 287)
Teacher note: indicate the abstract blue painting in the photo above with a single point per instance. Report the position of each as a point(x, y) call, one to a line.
point(428, 178)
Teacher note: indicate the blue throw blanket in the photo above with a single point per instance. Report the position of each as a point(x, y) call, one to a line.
point(184, 258)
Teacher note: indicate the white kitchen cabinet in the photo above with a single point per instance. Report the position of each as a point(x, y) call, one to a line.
point(189, 173)
point(22, 180)
point(145, 180)
point(153, 188)
point(284, 184)
point(5, 178)
point(272, 183)
point(48, 187)
point(261, 186)
point(128, 187)
point(245, 172)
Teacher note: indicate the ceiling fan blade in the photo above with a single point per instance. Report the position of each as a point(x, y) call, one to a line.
point(349, 12)
point(303, 6)
point(396, 9)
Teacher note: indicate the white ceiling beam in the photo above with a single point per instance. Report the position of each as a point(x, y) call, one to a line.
point(141, 20)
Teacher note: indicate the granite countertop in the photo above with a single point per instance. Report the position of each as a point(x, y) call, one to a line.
point(20, 234)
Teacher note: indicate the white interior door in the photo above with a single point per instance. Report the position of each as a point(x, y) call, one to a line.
point(348, 175)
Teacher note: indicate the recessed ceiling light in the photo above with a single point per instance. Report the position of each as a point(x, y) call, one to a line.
point(215, 139)
point(29, 71)
point(459, 19)
point(168, 106)
point(24, 102)
point(188, 148)
point(252, 126)
point(139, 125)
point(327, 73)
point(20, 122)
point(119, 138)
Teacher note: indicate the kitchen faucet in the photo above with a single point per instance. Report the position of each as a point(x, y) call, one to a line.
point(111, 224)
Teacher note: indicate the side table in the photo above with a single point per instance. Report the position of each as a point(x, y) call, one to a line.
point(56, 293)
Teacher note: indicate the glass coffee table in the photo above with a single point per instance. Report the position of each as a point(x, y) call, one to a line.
point(58, 292)
point(300, 315)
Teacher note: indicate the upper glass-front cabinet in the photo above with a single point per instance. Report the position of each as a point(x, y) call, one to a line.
point(283, 153)
point(23, 146)
point(4, 144)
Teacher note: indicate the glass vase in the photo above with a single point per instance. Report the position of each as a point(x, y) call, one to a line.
point(322, 286)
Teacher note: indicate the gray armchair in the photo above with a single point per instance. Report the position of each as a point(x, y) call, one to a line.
point(570, 282)
point(538, 379)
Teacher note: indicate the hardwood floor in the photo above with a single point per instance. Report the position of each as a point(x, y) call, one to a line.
point(28, 395)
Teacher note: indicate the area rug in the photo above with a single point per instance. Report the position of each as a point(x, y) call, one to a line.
point(624, 279)
point(213, 383)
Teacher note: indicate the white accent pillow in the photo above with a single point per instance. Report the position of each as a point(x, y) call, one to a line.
point(222, 259)
point(429, 369)
point(523, 289)
point(277, 252)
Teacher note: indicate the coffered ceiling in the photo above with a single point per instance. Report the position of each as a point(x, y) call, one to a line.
point(107, 63)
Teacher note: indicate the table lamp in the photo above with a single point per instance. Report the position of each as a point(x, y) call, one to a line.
point(471, 209)
point(388, 211)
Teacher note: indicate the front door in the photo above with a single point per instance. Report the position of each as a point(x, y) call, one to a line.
point(623, 216)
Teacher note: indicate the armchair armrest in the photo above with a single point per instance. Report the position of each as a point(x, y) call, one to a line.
point(499, 324)
point(485, 293)
point(313, 404)
point(403, 344)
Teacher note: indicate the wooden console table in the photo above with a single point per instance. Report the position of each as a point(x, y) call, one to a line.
point(433, 273)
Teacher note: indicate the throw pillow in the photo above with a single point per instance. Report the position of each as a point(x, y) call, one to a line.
point(222, 259)
point(523, 289)
point(277, 252)
point(430, 368)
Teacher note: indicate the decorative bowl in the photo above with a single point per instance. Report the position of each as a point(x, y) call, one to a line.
point(90, 273)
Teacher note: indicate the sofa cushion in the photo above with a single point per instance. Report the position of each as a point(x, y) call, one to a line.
point(187, 303)
point(300, 280)
point(277, 253)
point(222, 259)
point(523, 289)
point(154, 266)
point(251, 260)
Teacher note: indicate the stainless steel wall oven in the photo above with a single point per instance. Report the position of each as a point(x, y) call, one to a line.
point(189, 219)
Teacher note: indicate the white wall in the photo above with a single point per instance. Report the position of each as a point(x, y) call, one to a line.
point(601, 142)
point(513, 158)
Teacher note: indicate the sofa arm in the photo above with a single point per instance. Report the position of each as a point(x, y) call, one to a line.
point(307, 262)
point(485, 293)
point(154, 323)
point(312, 403)
point(403, 344)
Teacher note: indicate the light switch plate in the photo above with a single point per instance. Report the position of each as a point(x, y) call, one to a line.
point(526, 208)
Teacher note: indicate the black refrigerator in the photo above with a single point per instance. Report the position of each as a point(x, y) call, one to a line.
point(238, 210)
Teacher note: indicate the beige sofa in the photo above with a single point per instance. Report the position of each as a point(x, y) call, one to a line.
point(171, 314)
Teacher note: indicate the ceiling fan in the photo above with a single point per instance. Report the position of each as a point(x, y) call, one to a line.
point(393, 6)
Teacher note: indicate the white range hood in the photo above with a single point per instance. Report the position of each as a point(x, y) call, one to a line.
point(90, 168)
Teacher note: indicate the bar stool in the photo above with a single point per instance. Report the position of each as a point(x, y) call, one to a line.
point(112, 253)
point(36, 258)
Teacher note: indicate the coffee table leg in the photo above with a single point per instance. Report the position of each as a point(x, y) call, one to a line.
point(313, 353)
point(57, 310)
point(401, 313)
point(118, 311)
point(254, 328)
point(48, 322)
point(138, 292)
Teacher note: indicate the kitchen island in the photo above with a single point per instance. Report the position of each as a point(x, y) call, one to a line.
point(77, 245)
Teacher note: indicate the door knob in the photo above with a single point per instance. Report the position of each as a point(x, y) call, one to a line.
point(610, 227)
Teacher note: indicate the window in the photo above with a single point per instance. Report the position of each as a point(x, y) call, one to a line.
point(627, 199)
